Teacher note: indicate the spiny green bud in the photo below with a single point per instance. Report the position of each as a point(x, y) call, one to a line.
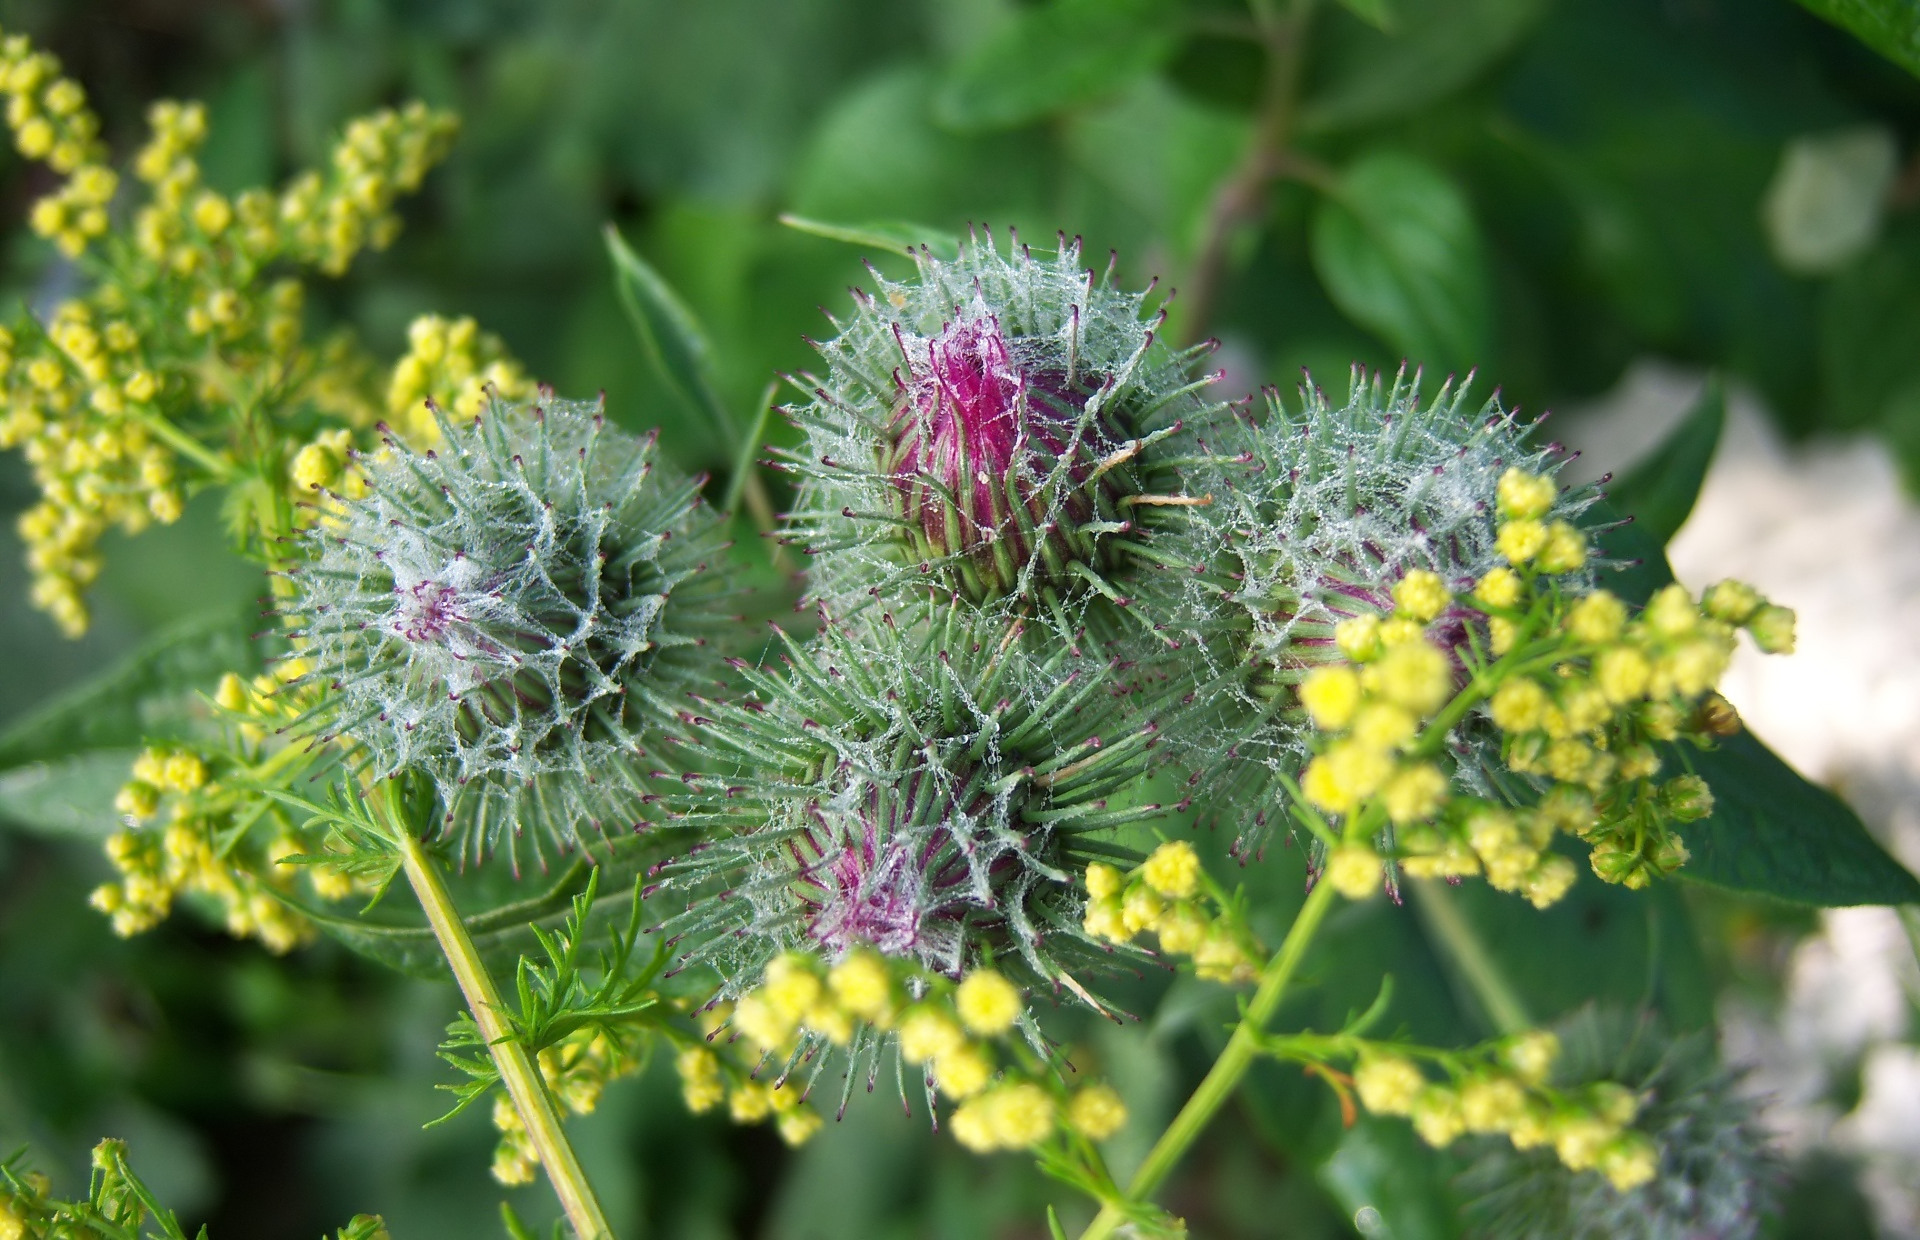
point(999, 422)
point(514, 614)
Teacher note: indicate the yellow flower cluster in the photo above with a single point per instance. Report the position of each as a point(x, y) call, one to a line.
point(453, 364)
point(1506, 1094)
point(163, 375)
point(1170, 894)
point(50, 120)
point(198, 849)
point(950, 1030)
point(577, 1069)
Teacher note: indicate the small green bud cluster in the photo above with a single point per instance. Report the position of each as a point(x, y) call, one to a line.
point(1502, 1090)
point(1171, 895)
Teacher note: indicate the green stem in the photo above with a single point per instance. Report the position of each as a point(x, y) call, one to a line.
point(1449, 925)
point(518, 1072)
point(1242, 1048)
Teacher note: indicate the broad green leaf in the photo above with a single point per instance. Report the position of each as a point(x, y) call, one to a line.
point(1398, 251)
point(1160, 153)
point(68, 796)
point(1869, 319)
point(1660, 491)
point(1371, 70)
point(1392, 1186)
point(1890, 27)
point(1054, 57)
point(1774, 833)
point(894, 236)
point(672, 336)
point(146, 696)
point(1827, 198)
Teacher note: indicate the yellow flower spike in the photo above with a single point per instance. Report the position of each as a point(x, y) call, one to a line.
point(1628, 1161)
point(1565, 550)
point(1221, 957)
point(1436, 1116)
point(1347, 774)
point(1492, 832)
point(797, 1126)
point(988, 1003)
point(1578, 1140)
point(1532, 1054)
point(1491, 1103)
point(1097, 1112)
point(1520, 541)
point(1622, 674)
point(1570, 760)
point(1173, 870)
point(928, 1033)
point(1354, 871)
point(971, 1128)
point(1598, 618)
point(184, 772)
point(1141, 909)
point(1499, 588)
point(1103, 880)
point(1501, 634)
point(1182, 929)
point(1330, 696)
point(1358, 637)
point(750, 1102)
point(212, 213)
point(761, 1023)
point(1415, 794)
point(1772, 629)
point(1387, 1084)
point(1415, 675)
point(1522, 495)
point(700, 1083)
point(1383, 726)
point(833, 1023)
point(1671, 613)
point(1020, 1116)
point(1399, 630)
point(137, 800)
point(1519, 705)
point(962, 1073)
point(791, 987)
point(1584, 707)
point(1421, 596)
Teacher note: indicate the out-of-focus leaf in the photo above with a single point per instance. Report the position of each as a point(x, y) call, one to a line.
point(673, 338)
point(1890, 27)
point(1398, 251)
point(1827, 197)
point(1160, 153)
point(1660, 491)
point(1869, 321)
point(894, 236)
point(1054, 57)
point(1389, 1183)
point(1774, 833)
point(70, 796)
point(1421, 52)
point(146, 696)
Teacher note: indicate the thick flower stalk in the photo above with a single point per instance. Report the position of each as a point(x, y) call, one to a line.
point(514, 614)
point(184, 362)
point(1007, 424)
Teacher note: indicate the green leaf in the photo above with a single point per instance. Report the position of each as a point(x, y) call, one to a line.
point(1055, 57)
point(72, 796)
point(1391, 1185)
point(1890, 27)
point(1157, 151)
point(1408, 56)
point(1398, 251)
point(1826, 200)
point(1659, 492)
point(894, 236)
point(672, 337)
point(1774, 833)
point(146, 696)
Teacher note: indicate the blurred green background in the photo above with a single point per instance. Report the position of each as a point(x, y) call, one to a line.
point(1544, 189)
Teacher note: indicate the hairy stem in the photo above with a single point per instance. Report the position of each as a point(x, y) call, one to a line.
point(1225, 1075)
point(518, 1072)
point(1441, 912)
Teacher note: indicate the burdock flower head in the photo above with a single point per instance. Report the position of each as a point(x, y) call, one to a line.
point(926, 790)
point(511, 614)
point(1004, 423)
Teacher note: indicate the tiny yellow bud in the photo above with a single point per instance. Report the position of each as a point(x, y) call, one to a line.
point(1772, 629)
point(212, 214)
point(1491, 1103)
point(1732, 601)
point(313, 468)
point(750, 1102)
point(1022, 1115)
point(987, 1002)
point(1358, 637)
point(862, 985)
point(1384, 726)
point(1519, 705)
point(798, 1124)
point(1421, 596)
point(1551, 879)
point(1597, 618)
point(185, 772)
point(1096, 1112)
point(1104, 919)
point(1628, 1161)
point(1415, 675)
point(1330, 695)
point(1524, 496)
point(1173, 870)
point(1141, 909)
point(1531, 1055)
point(762, 1023)
point(137, 800)
point(141, 386)
point(1387, 1084)
point(1415, 794)
point(1182, 929)
point(962, 1073)
point(1565, 550)
point(1520, 541)
point(1578, 1139)
point(1502, 634)
point(1671, 613)
point(928, 1033)
point(700, 1082)
point(1622, 673)
point(1103, 880)
point(1499, 588)
point(1347, 774)
point(1354, 871)
point(1436, 1116)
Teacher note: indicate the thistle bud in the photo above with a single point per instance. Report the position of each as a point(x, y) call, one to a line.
point(514, 615)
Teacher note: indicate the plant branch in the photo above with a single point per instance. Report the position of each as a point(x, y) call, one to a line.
point(1221, 1080)
point(518, 1072)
